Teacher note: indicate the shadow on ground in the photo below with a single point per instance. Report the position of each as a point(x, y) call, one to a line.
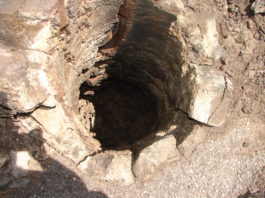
point(54, 181)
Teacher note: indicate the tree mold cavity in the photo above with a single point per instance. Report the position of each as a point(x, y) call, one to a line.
point(117, 93)
point(134, 92)
point(142, 97)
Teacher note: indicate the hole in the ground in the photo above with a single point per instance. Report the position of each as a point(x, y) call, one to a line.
point(134, 93)
point(124, 113)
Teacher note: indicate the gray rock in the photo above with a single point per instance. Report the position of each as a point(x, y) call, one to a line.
point(71, 144)
point(154, 156)
point(32, 71)
point(189, 144)
point(200, 31)
point(109, 166)
point(258, 7)
point(211, 94)
point(23, 66)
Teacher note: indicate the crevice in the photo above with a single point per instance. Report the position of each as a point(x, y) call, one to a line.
point(28, 113)
point(38, 50)
point(91, 155)
point(40, 124)
point(5, 107)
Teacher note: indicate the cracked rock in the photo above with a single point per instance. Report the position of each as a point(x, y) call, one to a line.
point(26, 94)
point(211, 94)
point(258, 7)
point(114, 166)
point(154, 156)
point(144, 46)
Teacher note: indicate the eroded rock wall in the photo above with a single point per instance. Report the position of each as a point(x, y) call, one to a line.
point(42, 63)
point(49, 49)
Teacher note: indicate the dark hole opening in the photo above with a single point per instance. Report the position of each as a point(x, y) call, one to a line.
point(133, 91)
point(124, 113)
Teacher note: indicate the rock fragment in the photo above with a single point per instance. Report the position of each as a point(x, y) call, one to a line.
point(258, 7)
point(23, 163)
point(154, 156)
point(196, 137)
point(109, 166)
point(210, 95)
point(3, 160)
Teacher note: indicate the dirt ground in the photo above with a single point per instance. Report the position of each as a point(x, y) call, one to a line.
point(229, 163)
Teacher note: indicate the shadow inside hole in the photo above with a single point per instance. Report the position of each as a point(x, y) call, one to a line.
point(123, 113)
point(140, 94)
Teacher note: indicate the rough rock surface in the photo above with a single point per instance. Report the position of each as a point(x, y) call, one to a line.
point(211, 95)
point(42, 50)
point(217, 168)
point(192, 141)
point(258, 7)
point(22, 163)
point(114, 166)
point(154, 156)
point(182, 56)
